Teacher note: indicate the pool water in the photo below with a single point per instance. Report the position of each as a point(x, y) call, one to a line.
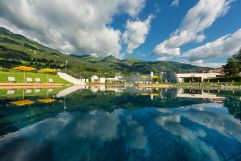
point(126, 125)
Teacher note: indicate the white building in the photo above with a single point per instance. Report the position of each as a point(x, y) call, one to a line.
point(102, 80)
point(203, 95)
point(94, 78)
point(197, 77)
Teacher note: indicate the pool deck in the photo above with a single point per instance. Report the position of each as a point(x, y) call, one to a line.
point(29, 85)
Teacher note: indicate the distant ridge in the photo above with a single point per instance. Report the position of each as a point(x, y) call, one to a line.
point(16, 50)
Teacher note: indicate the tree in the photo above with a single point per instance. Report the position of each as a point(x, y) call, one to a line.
point(233, 66)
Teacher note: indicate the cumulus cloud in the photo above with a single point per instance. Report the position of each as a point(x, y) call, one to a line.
point(197, 20)
point(72, 26)
point(205, 64)
point(136, 32)
point(224, 46)
point(175, 3)
point(133, 7)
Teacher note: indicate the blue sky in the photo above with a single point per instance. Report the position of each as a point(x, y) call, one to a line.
point(200, 32)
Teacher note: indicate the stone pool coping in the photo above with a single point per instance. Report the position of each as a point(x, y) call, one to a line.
point(29, 85)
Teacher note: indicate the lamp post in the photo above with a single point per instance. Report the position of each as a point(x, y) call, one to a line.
point(151, 74)
point(66, 63)
point(161, 76)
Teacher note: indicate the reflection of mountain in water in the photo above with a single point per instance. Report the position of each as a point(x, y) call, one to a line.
point(197, 132)
point(130, 99)
point(84, 100)
point(13, 117)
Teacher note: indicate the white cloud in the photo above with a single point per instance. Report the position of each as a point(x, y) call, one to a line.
point(197, 20)
point(222, 47)
point(133, 7)
point(175, 3)
point(136, 32)
point(211, 65)
point(72, 26)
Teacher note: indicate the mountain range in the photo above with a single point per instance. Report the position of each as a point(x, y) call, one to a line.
point(17, 50)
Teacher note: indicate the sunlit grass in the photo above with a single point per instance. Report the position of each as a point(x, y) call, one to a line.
point(19, 77)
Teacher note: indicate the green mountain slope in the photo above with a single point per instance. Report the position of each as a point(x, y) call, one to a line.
point(16, 50)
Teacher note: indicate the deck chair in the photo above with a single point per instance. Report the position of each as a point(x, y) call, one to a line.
point(37, 80)
point(10, 91)
point(11, 79)
point(50, 90)
point(36, 90)
point(50, 80)
point(28, 91)
point(29, 80)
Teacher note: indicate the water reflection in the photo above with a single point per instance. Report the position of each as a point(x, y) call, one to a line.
point(186, 133)
point(102, 123)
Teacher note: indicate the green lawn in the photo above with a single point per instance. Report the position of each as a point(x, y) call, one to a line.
point(32, 92)
point(19, 77)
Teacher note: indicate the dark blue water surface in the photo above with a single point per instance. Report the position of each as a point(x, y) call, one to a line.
point(122, 126)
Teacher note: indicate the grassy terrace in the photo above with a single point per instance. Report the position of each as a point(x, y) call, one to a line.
point(19, 77)
point(19, 93)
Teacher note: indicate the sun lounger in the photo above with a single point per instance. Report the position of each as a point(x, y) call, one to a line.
point(51, 80)
point(29, 80)
point(37, 90)
point(37, 80)
point(50, 90)
point(11, 79)
point(10, 91)
point(28, 91)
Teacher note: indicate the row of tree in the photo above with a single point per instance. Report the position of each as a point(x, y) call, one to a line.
point(233, 66)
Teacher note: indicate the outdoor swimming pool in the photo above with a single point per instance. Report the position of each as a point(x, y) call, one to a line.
point(122, 124)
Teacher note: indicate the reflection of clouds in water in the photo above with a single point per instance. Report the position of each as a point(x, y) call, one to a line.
point(205, 115)
point(224, 124)
point(125, 130)
point(32, 140)
point(102, 125)
point(135, 134)
point(25, 143)
point(46, 128)
point(99, 125)
point(202, 107)
point(96, 124)
point(172, 124)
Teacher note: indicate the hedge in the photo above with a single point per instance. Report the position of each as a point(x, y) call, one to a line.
point(223, 79)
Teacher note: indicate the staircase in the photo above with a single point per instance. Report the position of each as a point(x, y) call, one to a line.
point(70, 79)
